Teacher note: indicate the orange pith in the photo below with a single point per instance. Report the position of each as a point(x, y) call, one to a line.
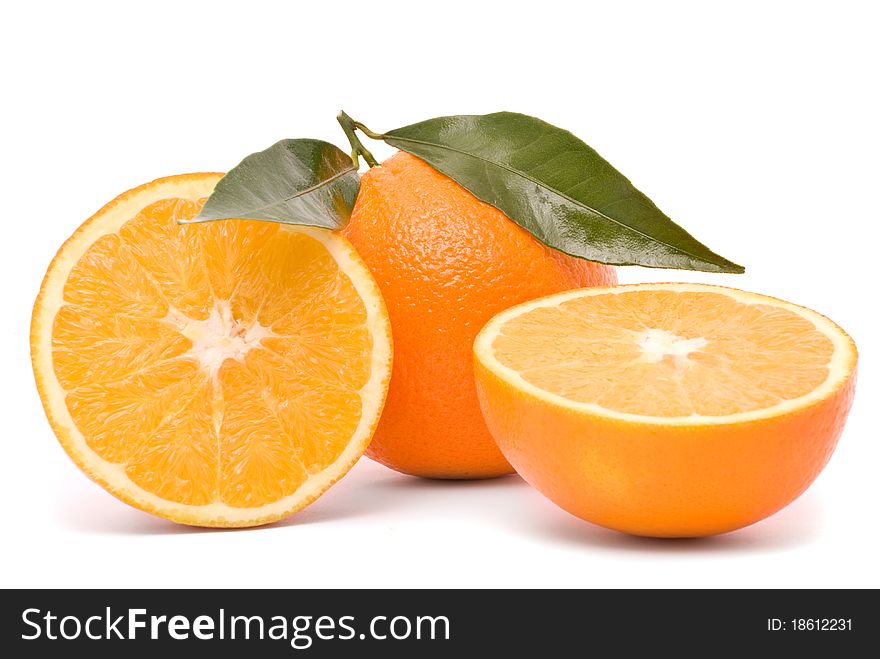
point(220, 374)
point(666, 409)
point(445, 262)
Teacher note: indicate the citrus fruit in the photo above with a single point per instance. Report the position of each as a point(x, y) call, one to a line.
point(220, 374)
point(446, 263)
point(666, 409)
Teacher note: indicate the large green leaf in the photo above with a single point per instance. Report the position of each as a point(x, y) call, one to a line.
point(293, 181)
point(552, 184)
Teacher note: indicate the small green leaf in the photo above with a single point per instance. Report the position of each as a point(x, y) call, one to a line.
point(301, 181)
point(553, 185)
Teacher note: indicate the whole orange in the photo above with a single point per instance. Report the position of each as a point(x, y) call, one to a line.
point(446, 263)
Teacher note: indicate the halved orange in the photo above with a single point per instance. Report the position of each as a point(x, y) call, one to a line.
point(665, 409)
point(219, 374)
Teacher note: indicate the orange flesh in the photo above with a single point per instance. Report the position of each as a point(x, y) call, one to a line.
point(666, 354)
point(217, 362)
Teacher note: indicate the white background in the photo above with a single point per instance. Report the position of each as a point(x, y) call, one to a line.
point(755, 127)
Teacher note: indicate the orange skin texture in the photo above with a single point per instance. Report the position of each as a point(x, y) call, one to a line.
point(663, 481)
point(445, 263)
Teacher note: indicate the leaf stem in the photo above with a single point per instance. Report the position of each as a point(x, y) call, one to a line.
point(357, 148)
point(366, 131)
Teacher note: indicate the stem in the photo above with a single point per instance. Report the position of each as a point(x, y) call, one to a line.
point(357, 148)
point(366, 131)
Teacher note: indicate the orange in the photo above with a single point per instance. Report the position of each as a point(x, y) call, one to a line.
point(220, 374)
point(446, 263)
point(666, 409)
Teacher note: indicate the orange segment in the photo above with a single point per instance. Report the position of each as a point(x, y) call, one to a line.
point(171, 255)
point(127, 344)
point(178, 460)
point(232, 253)
point(219, 374)
point(665, 409)
point(114, 418)
point(260, 462)
point(107, 280)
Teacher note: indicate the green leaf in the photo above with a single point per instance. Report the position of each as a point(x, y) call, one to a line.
point(553, 185)
point(293, 181)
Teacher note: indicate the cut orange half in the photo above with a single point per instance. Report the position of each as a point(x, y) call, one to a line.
point(218, 374)
point(665, 409)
